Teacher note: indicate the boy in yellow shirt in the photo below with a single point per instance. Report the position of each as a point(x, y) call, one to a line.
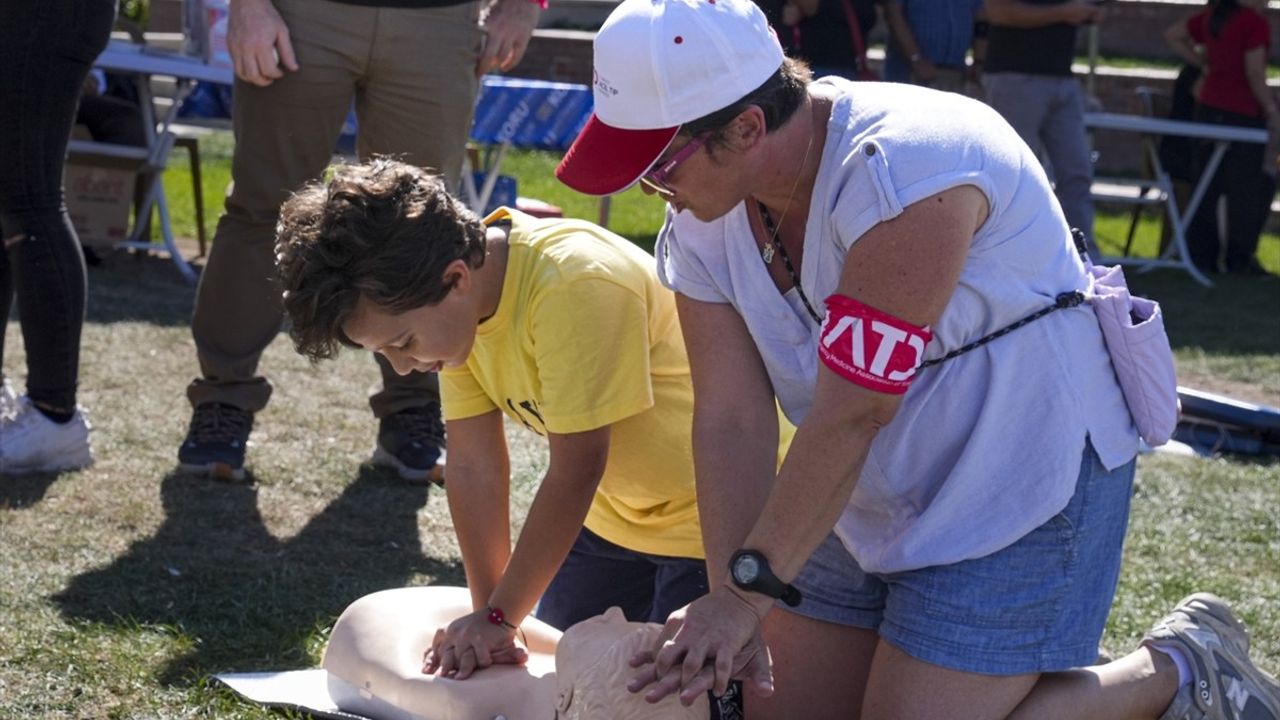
point(561, 326)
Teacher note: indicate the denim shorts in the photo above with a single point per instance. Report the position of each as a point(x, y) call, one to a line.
point(1038, 605)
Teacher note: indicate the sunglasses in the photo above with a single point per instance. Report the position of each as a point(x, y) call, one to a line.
point(656, 178)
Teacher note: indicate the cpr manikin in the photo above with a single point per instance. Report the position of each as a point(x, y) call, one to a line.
point(375, 652)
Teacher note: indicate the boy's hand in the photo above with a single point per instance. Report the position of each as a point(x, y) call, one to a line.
point(470, 643)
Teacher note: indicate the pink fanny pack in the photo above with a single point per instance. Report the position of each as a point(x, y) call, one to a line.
point(1133, 329)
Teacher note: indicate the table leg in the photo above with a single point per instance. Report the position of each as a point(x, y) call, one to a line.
point(1182, 220)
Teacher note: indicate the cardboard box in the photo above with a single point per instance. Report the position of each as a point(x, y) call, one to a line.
point(99, 200)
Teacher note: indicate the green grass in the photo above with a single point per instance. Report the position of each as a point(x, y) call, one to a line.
point(125, 586)
point(1225, 338)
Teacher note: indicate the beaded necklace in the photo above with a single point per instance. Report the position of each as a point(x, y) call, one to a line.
point(774, 242)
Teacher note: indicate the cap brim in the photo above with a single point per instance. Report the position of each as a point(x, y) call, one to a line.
point(604, 160)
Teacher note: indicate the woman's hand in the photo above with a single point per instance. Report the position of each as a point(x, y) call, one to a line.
point(470, 643)
point(703, 646)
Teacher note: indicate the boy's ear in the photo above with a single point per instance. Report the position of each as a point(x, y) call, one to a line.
point(457, 275)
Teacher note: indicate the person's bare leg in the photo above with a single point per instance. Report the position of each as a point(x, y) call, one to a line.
point(819, 669)
point(1138, 686)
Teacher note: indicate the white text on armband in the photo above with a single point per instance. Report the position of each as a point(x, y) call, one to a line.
point(870, 348)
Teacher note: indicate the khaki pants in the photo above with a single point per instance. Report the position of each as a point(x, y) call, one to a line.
point(411, 73)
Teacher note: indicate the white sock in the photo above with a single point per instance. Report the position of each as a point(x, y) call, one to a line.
point(1180, 659)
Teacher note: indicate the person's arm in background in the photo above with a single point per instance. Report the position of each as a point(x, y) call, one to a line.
point(978, 45)
point(1014, 13)
point(1255, 71)
point(508, 25)
point(258, 42)
point(806, 8)
point(1180, 42)
point(922, 68)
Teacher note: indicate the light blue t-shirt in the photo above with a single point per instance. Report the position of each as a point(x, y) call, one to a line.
point(985, 447)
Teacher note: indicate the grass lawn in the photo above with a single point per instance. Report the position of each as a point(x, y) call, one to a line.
point(125, 586)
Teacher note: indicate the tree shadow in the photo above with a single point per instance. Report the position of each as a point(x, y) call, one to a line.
point(249, 600)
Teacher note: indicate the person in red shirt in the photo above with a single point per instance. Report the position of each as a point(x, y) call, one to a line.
point(1229, 40)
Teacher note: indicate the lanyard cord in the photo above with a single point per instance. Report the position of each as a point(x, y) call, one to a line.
point(772, 232)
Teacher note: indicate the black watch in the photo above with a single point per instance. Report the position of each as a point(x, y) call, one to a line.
point(750, 571)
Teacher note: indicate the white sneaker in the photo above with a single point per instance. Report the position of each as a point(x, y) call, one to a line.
point(31, 442)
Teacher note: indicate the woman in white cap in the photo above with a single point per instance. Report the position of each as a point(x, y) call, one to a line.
point(944, 537)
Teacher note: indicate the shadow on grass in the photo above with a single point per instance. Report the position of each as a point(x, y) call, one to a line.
point(1238, 315)
point(22, 491)
point(138, 287)
point(248, 600)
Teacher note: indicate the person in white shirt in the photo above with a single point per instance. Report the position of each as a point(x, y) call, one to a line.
point(946, 529)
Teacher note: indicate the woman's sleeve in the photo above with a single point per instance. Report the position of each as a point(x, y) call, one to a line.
point(682, 269)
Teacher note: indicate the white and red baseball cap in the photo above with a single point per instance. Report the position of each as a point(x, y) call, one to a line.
point(660, 64)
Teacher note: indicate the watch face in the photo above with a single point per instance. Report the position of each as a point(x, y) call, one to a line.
point(746, 570)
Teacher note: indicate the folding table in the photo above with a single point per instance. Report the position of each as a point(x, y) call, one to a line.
point(1179, 218)
point(141, 62)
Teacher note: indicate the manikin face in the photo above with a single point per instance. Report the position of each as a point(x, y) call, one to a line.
point(593, 667)
point(426, 339)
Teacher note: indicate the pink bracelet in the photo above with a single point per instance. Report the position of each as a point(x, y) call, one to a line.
point(540, 3)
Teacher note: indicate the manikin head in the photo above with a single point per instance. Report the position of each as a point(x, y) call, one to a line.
point(592, 670)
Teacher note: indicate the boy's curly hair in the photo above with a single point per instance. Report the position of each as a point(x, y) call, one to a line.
point(384, 230)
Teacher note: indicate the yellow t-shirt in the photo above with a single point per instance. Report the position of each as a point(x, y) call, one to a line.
point(585, 336)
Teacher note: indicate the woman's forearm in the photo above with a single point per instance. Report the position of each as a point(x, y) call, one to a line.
point(733, 481)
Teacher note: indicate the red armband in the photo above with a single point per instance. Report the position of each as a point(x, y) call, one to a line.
point(870, 348)
point(540, 3)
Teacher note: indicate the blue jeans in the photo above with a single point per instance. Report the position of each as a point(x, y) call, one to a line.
point(1038, 605)
point(46, 50)
point(597, 575)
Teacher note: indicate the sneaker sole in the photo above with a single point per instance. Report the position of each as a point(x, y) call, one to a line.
point(383, 458)
point(77, 461)
point(215, 470)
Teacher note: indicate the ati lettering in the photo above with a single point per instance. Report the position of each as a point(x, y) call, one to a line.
point(886, 348)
